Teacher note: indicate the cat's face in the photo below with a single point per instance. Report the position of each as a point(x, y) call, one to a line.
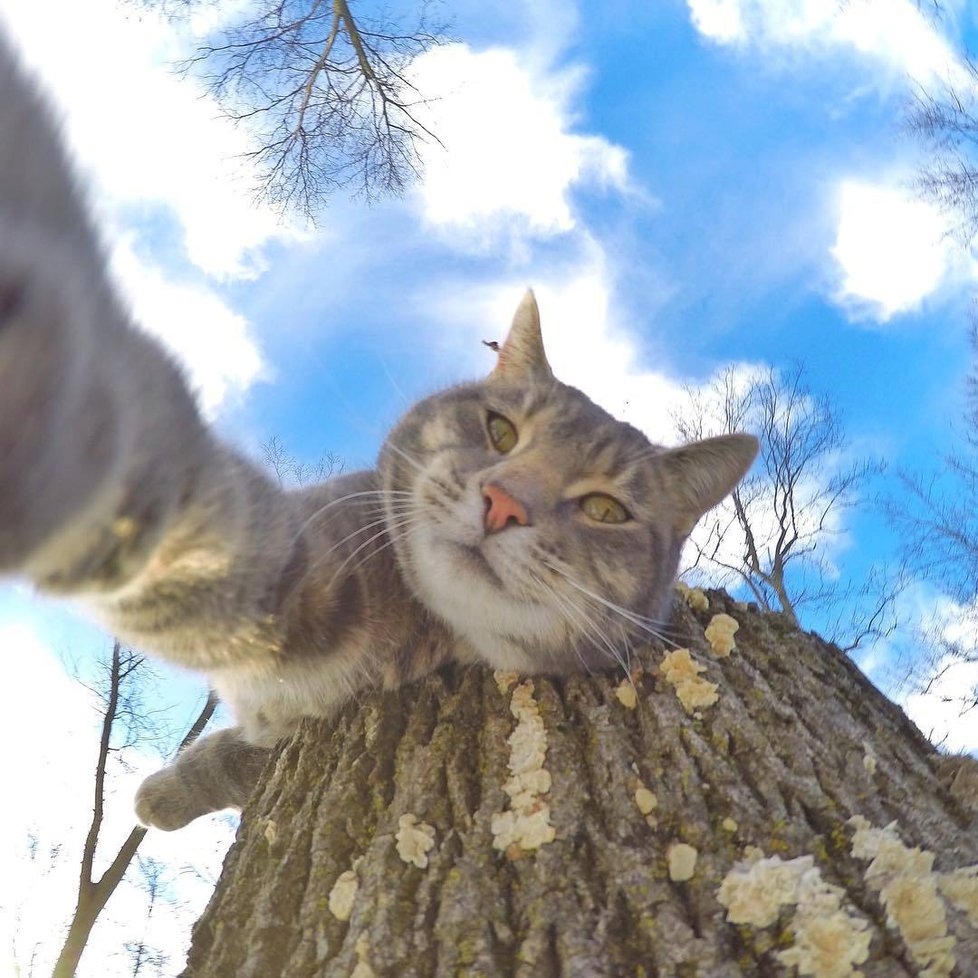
point(542, 530)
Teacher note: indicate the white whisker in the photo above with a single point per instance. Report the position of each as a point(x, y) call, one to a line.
point(649, 625)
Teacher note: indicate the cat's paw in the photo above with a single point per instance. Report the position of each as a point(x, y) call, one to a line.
point(56, 432)
point(959, 774)
point(163, 803)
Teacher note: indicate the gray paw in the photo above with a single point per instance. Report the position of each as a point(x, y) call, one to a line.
point(959, 774)
point(162, 802)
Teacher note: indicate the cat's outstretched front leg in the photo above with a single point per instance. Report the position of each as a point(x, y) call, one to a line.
point(218, 771)
point(112, 488)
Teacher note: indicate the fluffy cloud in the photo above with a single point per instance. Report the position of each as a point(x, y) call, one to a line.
point(587, 341)
point(943, 706)
point(946, 712)
point(893, 33)
point(719, 20)
point(509, 155)
point(156, 154)
point(212, 342)
point(892, 250)
point(143, 135)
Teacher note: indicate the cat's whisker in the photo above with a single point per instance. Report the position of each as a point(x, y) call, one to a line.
point(382, 517)
point(590, 629)
point(308, 521)
point(382, 532)
point(421, 468)
point(573, 625)
point(649, 625)
point(382, 521)
point(432, 483)
point(405, 530)
point(360, 529)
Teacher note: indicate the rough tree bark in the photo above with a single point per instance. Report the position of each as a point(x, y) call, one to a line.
point(797, 743)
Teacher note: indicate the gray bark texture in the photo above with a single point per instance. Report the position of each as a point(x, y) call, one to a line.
point(798, 743)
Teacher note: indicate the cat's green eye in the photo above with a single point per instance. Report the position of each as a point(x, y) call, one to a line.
point(603, 509)
point(502, 432)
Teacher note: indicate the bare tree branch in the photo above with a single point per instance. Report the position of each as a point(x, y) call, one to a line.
point(293, 471)
point(329, 96)
point(772, 532)
point(120, 711)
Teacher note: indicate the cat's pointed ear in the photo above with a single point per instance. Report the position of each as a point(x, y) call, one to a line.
point(522, 355)
point(702, 473)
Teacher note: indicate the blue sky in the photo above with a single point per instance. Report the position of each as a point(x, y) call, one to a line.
point(688, 186)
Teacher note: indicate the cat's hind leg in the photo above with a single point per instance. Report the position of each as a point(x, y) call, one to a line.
point(218, 771)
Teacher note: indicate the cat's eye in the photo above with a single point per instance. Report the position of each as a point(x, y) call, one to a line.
point(502, 432)
point(603, 509)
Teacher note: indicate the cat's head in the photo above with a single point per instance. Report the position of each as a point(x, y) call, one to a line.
point(538, 527)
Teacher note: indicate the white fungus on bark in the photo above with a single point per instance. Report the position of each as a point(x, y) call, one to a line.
point(960, 887)
point(645, 800)
point(363, 969)
point(682, 672)
point(414, 840)
point(526, 824)
point(693, 596)
point(343, 894)
point(625, 693)
point(908, 889)
point(720, 634)
point(829, 940)
point(505, 680)
point(681, 858)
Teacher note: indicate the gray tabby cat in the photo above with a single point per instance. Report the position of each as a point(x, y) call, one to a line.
point(509, 521)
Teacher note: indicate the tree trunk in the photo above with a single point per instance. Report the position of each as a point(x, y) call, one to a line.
point(76, 940)
point(713, 844)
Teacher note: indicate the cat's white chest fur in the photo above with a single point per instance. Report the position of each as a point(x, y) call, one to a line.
point(467, 586)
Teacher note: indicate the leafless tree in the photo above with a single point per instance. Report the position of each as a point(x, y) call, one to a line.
point(124, 720)
point(936, 517)
point(328, 94)
point(773, 533)
point(24, 951)
point(144, 958)
point(945, 120)
point(293, 471)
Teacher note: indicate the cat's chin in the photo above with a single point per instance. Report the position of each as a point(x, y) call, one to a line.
point(464, 586)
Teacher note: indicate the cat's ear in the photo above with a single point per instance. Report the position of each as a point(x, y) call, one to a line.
point(522, 355)
point(702, 473)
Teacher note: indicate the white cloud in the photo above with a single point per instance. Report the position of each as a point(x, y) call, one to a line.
point(145, 135)
point(510, 154)
point(946, 713)
point(942, 702)
point(211, 341)
point(892, 250)
point(586, 342)
point(154, 150)
point(893, 33)
point(719, 20)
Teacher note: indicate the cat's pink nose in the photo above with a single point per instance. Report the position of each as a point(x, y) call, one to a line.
point(502, 509)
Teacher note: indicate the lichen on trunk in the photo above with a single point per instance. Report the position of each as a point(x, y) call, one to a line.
point(729, 840)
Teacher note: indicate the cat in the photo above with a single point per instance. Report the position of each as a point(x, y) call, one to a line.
point(509, 521)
